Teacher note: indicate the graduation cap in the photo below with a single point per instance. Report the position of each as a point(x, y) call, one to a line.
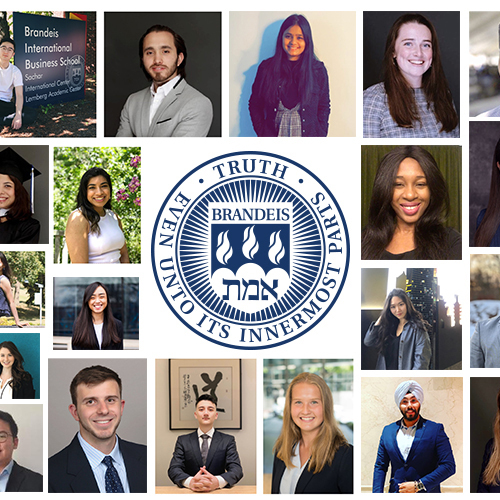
point(13, 164)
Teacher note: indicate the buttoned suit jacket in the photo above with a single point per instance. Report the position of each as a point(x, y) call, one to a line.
point(334, 478)
point(485, 344)
point(222, 459)
point(23, 479)
point(430, 458)
point(184, 112)
point(70, 471)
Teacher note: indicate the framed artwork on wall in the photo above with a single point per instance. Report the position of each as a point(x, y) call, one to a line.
point(189, 378)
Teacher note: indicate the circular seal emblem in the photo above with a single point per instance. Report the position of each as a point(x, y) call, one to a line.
point(250, 250)
point(74, 73)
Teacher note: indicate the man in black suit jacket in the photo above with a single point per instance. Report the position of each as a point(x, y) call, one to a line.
point(206, 459)
point(19, 478)
point(97, 460)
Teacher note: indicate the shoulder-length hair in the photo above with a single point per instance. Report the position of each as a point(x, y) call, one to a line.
point(389, 322)
point(280, 71)
point(491, 474)
point(400, 96)
point(21, 208)
point(18, 372)
point(329, 439)
point(491, 219)
point(84, 204)
point(83, 331)
point(430, 235)
point(6, 271)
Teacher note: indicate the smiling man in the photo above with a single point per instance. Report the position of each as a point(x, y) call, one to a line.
point(417, 449)
point(170, 107)
point(206, 459)
point(14, 477)
point(11, 80)
point(97, 460)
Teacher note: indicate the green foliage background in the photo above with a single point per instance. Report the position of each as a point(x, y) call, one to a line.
point(28, 268)
point(69, 166)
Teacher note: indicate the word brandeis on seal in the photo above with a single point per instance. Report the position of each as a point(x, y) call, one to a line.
point(250, 250)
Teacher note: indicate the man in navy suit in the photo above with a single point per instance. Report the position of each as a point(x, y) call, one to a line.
point(14, 477)
point(206, 459)
point(418, 450)
point(97, 460)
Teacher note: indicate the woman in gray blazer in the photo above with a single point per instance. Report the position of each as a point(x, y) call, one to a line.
point(400, 334)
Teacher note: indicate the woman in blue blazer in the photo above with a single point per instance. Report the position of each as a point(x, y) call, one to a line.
point(311, 454)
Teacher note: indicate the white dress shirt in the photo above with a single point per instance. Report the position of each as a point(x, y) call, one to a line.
point(160, 94)
point(405, 437)
point(95, 458)
point(291, 477)
point(210, 433)
point(5, 475)
point(6, 391)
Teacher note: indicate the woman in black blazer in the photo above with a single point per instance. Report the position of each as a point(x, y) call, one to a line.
point(311, 454)
point(96, 327)
point(15, 382)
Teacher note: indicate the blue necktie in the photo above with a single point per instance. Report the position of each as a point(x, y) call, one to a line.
point(112, 479)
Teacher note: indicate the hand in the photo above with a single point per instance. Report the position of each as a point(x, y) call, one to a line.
point(23, 323)
point(17, 122)
point(408, 487)
point(203, 481)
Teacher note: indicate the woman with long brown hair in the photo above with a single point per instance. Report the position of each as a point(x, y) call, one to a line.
point(414, 100)
point(400, 334)
point(489, 479)
point(311, 454)
point(15, 381)
point(488, 220)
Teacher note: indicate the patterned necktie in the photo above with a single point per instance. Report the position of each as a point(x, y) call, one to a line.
point(112, 479)
point(204, 448)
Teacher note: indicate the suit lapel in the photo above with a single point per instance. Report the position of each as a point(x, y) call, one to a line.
point(195, 446)
point(137, 481)
point(16, 478)
point(214, 445)
point(79, 467)
point(418, 436)
point(395, 441)
point(144, 114)
point(171, 97)
point(304, 479)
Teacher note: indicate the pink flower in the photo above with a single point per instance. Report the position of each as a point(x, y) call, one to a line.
point(137, 201)
point(135, 161)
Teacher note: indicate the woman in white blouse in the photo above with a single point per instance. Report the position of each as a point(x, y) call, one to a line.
point(311, 454)
point(94, 233)
point(96, 327)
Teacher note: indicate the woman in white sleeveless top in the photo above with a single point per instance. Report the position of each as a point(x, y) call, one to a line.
point(94, 232)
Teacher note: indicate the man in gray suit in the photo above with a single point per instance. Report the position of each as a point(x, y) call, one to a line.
point(485, 344)
point(170, 107)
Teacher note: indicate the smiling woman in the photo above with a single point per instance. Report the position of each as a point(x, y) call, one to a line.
point(414, 100)
point(311, 454)
point(15, 381)
point(290, 94)
point(94, 232)
point(400, 334)
point(408, 207)
point(96, 327)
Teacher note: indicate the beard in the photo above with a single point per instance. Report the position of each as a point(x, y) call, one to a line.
point(163, 76)
point(414, 414)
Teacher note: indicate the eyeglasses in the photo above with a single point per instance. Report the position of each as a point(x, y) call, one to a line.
point(4, 436)
point(6, 49)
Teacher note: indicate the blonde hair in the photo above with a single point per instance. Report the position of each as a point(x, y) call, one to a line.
point(491, 474)
point(329, 438)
